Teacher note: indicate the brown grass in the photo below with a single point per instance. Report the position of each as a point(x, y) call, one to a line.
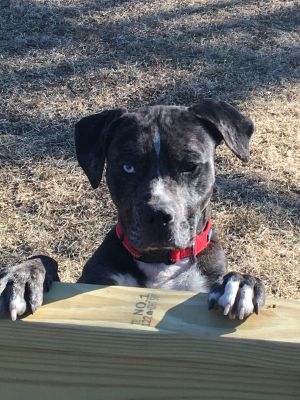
point(62, 59)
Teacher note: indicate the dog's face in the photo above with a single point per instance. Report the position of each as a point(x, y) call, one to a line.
point(160, 174)
point(160, 165)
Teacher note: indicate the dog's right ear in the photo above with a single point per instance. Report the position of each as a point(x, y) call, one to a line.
point(90, 141)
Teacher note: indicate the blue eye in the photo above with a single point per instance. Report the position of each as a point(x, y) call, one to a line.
point(129, 169)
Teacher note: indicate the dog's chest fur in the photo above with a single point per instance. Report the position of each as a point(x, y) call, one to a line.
point(184, 275)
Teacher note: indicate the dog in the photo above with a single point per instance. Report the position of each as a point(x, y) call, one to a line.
point(160, 174)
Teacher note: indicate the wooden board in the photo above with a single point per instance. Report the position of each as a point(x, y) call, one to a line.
point(91, 342)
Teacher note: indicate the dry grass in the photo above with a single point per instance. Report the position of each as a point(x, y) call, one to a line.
point(62, 59)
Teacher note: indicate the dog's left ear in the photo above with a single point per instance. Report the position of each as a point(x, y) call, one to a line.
point(91, 141)
point(226, 122)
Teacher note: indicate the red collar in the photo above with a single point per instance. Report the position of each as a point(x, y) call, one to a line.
point(201, 242)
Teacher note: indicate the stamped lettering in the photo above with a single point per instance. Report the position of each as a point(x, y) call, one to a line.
point(144, 308)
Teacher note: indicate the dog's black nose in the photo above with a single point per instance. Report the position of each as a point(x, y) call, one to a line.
point(157, 217)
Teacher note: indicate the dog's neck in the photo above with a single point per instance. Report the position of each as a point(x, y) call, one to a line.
point(205, 216)
point(156, 257)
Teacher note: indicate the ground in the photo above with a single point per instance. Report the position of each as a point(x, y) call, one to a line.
point(64, 59)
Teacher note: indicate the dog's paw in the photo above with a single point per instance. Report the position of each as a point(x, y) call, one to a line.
point(22, 285)
point(239, 295)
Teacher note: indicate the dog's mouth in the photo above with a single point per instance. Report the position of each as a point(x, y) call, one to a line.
point(164, 242)
point(154, 247)
point(161, 253)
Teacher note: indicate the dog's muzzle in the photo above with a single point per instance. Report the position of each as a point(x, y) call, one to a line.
point(201, 241)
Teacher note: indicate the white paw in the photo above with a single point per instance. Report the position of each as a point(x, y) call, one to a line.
point(17, 306)
point(238, 296)
point(228, 298)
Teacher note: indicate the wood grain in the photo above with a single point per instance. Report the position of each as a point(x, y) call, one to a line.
point(91, 342)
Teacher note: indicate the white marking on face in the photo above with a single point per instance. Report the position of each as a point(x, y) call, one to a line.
point(125, 280)
point(173, 204)
point(184, 275)
point(159, 192)
point(156, 141)
point(164, 199)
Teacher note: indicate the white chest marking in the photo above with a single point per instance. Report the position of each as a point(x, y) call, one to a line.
point(125, 280)
point(156, 142)
point(184, 275)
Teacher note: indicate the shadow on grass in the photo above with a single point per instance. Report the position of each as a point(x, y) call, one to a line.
point(244, 190)
point(231, 58)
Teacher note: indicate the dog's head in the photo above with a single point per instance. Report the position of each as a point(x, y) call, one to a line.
point(160, 165)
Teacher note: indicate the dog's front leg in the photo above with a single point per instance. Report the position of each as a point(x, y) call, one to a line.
point(22, 285)
point(238, 295)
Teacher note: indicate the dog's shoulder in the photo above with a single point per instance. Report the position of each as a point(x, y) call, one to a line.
point(111, 264)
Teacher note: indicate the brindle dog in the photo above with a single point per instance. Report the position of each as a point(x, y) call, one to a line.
point(160, 173)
